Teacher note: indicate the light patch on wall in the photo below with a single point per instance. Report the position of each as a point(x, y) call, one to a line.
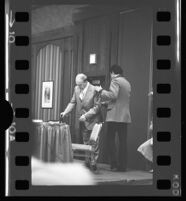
point(53, 17)
point(92, 59)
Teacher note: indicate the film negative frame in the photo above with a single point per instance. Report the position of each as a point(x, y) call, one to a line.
point(166, 107)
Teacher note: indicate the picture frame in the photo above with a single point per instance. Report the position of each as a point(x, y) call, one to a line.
point(47, 94)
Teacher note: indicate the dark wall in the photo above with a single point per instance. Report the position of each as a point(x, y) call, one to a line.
point(134, 56)
point(96, 39)
point(123, 38)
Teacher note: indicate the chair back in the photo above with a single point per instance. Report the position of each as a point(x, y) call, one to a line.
point(95, 132)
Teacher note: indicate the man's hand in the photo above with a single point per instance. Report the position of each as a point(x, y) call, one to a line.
point(105, 103)
point(63, 114)
point(98, 88)
point(82, 118)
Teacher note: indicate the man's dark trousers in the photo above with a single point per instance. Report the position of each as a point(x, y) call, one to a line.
point(117, 159)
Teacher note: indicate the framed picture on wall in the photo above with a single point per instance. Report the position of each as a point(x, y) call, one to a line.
point(47, 93)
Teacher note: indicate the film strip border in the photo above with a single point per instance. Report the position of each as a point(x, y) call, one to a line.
point(166, 176)
point(165, 106)
point(22, 90)
point(20, 80)
point(163, 88)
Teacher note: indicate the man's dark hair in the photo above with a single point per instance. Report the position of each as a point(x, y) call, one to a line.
point(116, 69)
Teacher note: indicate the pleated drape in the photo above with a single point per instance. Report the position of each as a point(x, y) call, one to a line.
point(48, 68)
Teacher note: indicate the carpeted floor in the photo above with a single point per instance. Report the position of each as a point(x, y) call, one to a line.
point(104, 176)
point(77, 174)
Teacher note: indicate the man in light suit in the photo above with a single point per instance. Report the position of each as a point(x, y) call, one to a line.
point(118, 116)
point(85, 99)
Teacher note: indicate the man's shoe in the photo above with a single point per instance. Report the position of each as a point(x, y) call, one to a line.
point(113, 168)
point(119, 169)
point(87, 164)
point(94, 167)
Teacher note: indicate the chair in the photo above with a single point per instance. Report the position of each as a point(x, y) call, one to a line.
point(88, 148)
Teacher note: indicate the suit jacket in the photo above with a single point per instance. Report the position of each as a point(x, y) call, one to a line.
point(89, 106)
point(118, 98)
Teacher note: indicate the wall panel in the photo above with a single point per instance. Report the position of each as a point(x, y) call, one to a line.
point(96, 39)
point(134, 55)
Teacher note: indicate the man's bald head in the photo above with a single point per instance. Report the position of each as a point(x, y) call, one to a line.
point(81, 77)
point(81, 80)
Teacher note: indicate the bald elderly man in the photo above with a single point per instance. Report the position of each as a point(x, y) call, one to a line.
point(86, 101)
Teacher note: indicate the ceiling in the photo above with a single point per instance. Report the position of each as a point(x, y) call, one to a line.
point(53, 14)
point(120, 3)
point(50, 17)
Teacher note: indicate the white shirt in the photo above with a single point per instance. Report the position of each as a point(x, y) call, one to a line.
point(82, 93)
